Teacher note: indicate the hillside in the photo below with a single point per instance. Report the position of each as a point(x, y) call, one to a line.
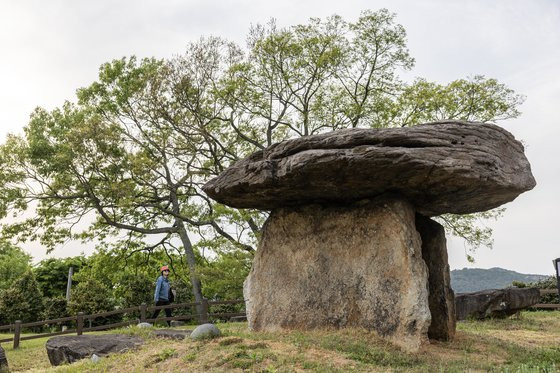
point(474, 279)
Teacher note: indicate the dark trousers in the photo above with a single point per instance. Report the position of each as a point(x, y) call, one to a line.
point(167, 310)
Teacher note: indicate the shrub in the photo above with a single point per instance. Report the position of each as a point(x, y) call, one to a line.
point(23, 301)
point(133, 290)
point(90, 297)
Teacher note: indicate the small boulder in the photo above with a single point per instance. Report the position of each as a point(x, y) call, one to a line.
point(68, 349)
point(3, 361)
point(172, 333)
point(95, 359)
point(494, 303)
point(205, 331)
point(144, 325)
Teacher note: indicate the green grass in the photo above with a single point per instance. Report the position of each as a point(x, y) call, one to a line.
point(529, 343)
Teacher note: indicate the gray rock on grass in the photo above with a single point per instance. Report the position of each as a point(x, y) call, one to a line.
point(68, 349)
point(172, 333)
point(205, 331)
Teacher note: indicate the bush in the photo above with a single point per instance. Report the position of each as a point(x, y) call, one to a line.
point(56, 308)
point(548, 283)
point(23, 301)
point(90, 297)
point(133, 290)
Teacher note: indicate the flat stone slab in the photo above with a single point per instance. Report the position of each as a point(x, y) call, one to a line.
point(443, 167)
point(172, 333)
point(68, 349)
point(494, 303)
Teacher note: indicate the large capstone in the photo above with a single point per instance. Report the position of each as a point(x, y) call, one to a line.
point(444, 167)
point(68, 349)
point(336, 266)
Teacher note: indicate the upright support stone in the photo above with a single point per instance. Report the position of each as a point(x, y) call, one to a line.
point(441, 297)
point(335, 266)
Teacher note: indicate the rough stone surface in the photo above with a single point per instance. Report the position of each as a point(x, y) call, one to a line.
point(441, 296)
point(172, 333)
point(144, 325)
point(338, 266)
point(68, 349)
point(205, 331)
point(494, 303)
point(3, 361)
point(444, 167)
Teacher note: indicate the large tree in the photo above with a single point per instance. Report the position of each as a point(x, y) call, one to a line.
point(133, 152)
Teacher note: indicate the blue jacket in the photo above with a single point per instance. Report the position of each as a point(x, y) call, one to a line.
point(162, 289)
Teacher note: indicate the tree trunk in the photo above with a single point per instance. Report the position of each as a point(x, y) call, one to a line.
point(191, 261)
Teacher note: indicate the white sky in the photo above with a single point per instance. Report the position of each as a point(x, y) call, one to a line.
point(48, 49)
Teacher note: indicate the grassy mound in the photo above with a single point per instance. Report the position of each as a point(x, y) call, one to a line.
point(525, 343)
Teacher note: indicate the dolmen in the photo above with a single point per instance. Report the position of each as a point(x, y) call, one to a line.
point(350, 241)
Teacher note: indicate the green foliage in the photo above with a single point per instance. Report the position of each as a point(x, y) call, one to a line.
point(546, 283)
point(136, 148)
point(23, 301)
point(55, 308)
point(90, 297)
point(224, 275)
point(52, 274)
point(14, 262)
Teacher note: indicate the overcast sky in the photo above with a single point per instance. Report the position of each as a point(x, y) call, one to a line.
point(48, 49)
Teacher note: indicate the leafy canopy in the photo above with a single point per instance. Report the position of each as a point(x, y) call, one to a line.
point(129, 158)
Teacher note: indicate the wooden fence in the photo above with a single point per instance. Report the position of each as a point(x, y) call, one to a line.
point(552, 306)
point(202, 317)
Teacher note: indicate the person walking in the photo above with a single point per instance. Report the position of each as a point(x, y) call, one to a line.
point(161, 295)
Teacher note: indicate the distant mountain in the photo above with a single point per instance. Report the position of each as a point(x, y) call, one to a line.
point(467, 280)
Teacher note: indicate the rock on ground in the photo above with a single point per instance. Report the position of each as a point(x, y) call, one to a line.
point(205, 331)
point(494, 303)
point(441, 296)
point(68, 349)
point(172, 333)
point(445, 167)
point(3, 361)
point(341, 266)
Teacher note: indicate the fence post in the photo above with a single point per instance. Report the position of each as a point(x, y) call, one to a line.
point(203, 318)
point(17, 333)
point(80, 323)
point(143, 307)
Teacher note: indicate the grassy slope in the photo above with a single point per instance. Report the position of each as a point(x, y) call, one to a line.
point(527, 343)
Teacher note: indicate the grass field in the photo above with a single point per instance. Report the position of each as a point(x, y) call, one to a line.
point(529, 342)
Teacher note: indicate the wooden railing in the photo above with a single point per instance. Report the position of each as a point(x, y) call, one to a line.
point(203, 316)
point(554, 306)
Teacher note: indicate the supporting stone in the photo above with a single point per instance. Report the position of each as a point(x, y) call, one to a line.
point(441, 296)
point(336, 266)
